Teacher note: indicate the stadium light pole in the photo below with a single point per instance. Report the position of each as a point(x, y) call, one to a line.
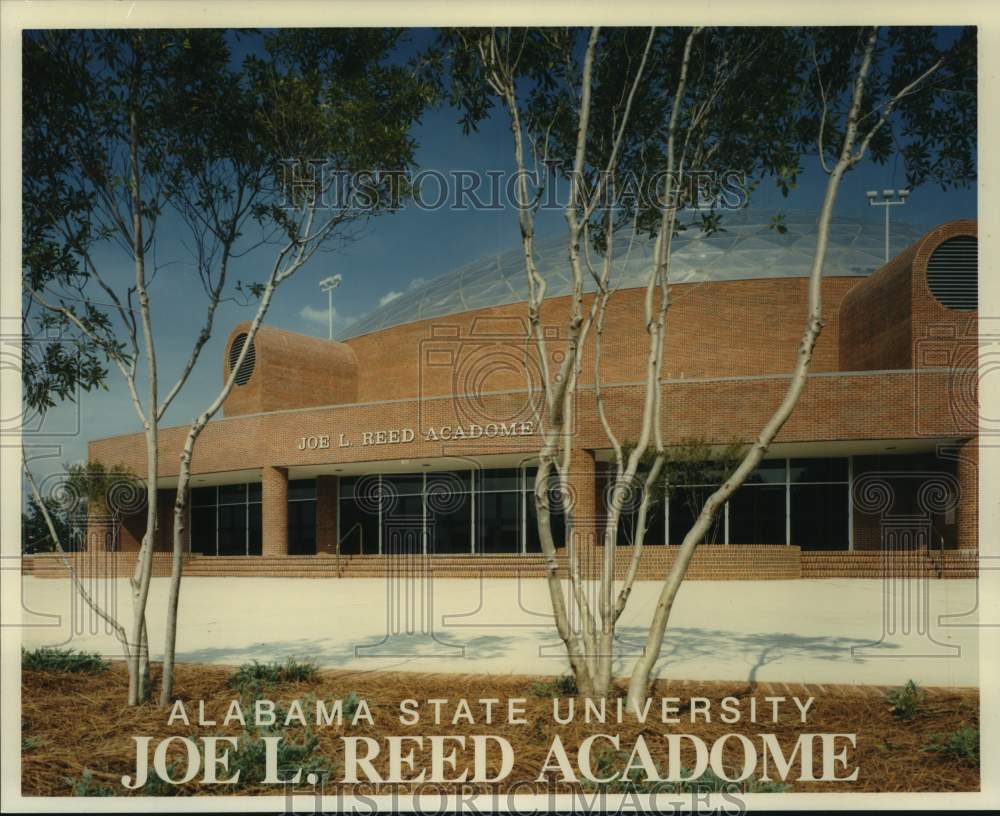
point(328, 285)
point(889, 198)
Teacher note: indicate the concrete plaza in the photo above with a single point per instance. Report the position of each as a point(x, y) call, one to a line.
point(815, 631)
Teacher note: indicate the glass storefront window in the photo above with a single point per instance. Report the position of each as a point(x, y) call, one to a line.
point(232, 529)
point(203, 496)
point(771, 471)
point(226, 520)
point(493, 511)
point(203, 530)
point(685, 505)
point(493, 481)
point(404, 484)
point(359, 528)
point(818, 470)
point(498, 522)
point(302, 517)
point(819, 516)
point(302, 490)
point(449, 525)
point(757, 515)
point(233, 494)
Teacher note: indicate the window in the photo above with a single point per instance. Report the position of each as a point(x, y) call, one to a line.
point(302, 517)
point(557, 514)
point(684, 506)
point(226, 520)
point(499, 511)
point(757, 514)
point(798, 501)
point(819, 516)
point(819, 494)
point(498, 522)
point(452, 512)
point(655, 514)
point(359, 515)
point(817, 470)
point(449, 512)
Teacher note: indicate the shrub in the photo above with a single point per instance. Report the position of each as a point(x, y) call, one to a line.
point(51, 659)
point(85, 786)
point(962, 745)
point(257, 675)
point(904, 703)
point(350, 704)
point(249, 758)
point(563, 686)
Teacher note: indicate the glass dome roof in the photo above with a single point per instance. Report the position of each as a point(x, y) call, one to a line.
point(746, 247)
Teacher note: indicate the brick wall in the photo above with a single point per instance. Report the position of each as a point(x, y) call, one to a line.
point(891, 320)
point(730, 345)
point(860, 406)
point(291, 371)
point(274, 510)
point(326, 514)
point(722, 328)
point(968, 480)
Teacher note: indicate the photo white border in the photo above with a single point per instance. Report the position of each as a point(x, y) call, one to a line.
point(16, 15)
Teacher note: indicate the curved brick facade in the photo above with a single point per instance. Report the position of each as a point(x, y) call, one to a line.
point(892, 370)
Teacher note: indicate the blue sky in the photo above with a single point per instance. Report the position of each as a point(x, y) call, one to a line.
point(399, 251)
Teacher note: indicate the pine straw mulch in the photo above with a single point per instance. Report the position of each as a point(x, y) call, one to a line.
point(73, 723)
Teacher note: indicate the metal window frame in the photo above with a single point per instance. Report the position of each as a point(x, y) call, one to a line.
point(788, 501)
point(850, 503)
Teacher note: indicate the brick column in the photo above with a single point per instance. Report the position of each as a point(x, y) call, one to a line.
point(586, 526)
point(326, 514)
point(274, 511)
point(968, 486)
point(100, 532)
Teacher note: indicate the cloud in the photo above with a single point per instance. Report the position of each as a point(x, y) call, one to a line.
point(313, 315)
point(391, 295)
point(318, 316)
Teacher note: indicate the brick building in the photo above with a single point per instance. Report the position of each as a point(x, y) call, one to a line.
point(412, 440)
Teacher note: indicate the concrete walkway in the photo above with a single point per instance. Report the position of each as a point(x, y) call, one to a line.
point(814, 631)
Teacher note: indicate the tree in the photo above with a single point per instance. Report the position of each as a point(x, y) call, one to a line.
point(861, 85)
point(316, 86)
point(688, 472)
point(82, 490)
point(130, 134)
point(639, 109)
point(35, 536)
point(679, 106)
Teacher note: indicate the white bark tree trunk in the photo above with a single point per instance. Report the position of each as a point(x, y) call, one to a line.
point(292, 258)
point(120, 634)
point(852, 151)
point(138, 666)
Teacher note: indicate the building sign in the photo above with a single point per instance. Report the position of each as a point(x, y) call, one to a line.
point(443, 433)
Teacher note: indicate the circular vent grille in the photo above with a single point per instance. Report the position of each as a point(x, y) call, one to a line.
point(953, 273)
point(246, 370)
